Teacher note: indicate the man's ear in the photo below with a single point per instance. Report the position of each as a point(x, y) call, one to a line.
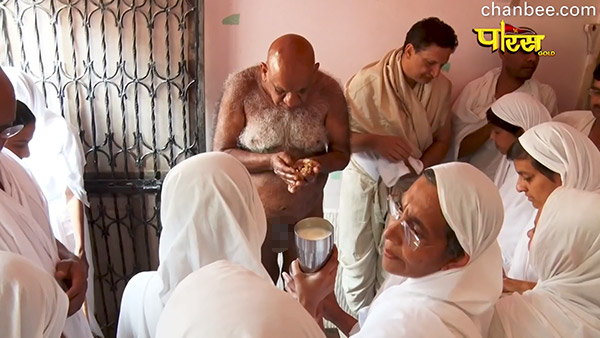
point(457, 262)
point(264, 70)
point(316, 67)
point(409, 50)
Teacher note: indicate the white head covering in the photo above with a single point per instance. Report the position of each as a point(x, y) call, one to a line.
point(32, 304)
point(230, 301)
point(57, 160)
point(582, 120)
point(565, 252)
point(565, 151)
point(455, 302)
point(210, 211)
point(522, 110)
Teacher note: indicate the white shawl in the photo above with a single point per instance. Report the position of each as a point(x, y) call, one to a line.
point(230, 301)
point(582, 120)
point(521, 110)
point(32, 304)
point(456, 302)
point(567, 152)
point(210, 211)
point(468, 115)
point(565, 253)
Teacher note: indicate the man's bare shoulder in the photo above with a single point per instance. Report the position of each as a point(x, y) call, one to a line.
point(327, 86)
point(244, 81)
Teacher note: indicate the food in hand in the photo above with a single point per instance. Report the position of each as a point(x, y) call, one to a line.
point(306, 168)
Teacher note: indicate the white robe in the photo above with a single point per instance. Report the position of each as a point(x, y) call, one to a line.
point(455, 302)
point(32, 304)
point(582, 120)
point(567, 152)
point(210, 211)
point(56, 162)
point(468, 115)
point(231, 301)
point(524, 111)
point(26, 228)
point(565, 253)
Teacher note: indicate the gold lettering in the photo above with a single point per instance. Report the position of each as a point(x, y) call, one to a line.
point(531, 43)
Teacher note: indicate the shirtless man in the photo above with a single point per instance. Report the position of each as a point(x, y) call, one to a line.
point(276, 117)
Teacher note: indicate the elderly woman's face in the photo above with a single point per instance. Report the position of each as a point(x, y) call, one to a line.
point(423, 216)
point(536, 186)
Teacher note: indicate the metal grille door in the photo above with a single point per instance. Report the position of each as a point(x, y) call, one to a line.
point(129, 75)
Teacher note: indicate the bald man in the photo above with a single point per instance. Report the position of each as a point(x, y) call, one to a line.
point(287, 122)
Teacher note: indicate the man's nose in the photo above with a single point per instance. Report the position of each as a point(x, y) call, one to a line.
point(292, 100)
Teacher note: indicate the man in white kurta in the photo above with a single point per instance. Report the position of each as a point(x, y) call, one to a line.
point(586, 121)
point(399, 118)
point(470, 130)
point(25, 226)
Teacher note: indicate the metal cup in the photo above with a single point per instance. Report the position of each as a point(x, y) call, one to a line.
point(314, 242)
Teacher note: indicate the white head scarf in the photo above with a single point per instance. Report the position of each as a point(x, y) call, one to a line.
point(457, 301)
point(522, 110)
point(210, 211)
point(230, 301)
point(566, 151)
point(565, 252)
point(57, 159)
point(32, 304)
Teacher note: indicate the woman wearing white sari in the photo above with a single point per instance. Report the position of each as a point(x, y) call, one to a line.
point(547, 156)
point(226, 300)
point(33, 304)
point(510, 116)
point(210, 211)
point(565, 253)
point(444, 258)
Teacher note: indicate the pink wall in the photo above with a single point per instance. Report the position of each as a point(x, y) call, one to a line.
point(347, 34)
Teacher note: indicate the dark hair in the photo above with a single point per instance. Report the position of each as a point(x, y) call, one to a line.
point(517, 152)
point(498, 122)
point(431, 31)
point(453, 249)
point(24, 115)
point(597, 73)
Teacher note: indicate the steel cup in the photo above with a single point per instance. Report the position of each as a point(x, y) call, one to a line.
point(314, 242)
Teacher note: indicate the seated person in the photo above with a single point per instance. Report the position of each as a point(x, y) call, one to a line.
point(471, 132)
point(33, 304)
point(546, 157)
point(275, 118)
point(19, 143)
point(230, 301)
point(565, 253)
point(441, 250)
point(586, 121)
point(509, 117)
point(210, 211)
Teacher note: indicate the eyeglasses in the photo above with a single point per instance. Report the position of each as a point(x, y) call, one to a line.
point(410, 237)
point(11, 131)
point(594, 91)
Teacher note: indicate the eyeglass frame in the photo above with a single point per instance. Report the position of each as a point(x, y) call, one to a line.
point(10, 131)
point(410, 236)
point(593, 91)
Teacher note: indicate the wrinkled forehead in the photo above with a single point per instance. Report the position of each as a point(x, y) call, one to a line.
point(423, 204)
point(290, 74)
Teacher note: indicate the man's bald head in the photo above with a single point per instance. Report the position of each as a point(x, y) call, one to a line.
point(289, 70)
point(8, 104)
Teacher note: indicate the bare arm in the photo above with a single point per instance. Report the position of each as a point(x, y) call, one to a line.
point(76, 211)
point(441, 142)
point(338, 130)
point(474, 141)
point(230, 124)
point(335, 314)
point(362, 142)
